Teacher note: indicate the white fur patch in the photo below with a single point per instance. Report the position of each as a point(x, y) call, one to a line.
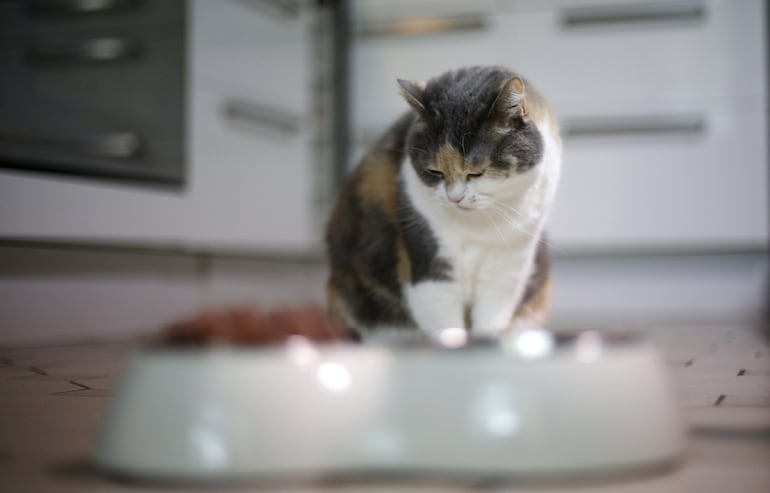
point(436, 305)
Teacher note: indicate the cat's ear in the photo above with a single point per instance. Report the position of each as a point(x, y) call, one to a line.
point(414, 93)
point(511, 101)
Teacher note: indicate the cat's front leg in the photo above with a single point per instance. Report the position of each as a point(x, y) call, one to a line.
point(499, 285)
point(436, 305)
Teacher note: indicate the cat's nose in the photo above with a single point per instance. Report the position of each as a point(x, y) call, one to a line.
point(456, 193)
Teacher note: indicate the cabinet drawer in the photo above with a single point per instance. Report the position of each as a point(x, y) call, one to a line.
point(249, 20)
point(377, 11)
point(252, 184)
point(679, 190)
point(712, 58)
point(257, 50)
point(45, 17)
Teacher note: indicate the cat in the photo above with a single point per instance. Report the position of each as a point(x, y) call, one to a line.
point(441, 223)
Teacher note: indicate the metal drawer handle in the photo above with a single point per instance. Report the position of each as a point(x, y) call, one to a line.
point(646, 125)
point(421, 26)
point(252, 113)
point(578, 17)
point(69, 7)
point(88, 50)
point(281, 8)
point(122, 145)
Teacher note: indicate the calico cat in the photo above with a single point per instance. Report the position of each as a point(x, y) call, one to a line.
point(441, 224)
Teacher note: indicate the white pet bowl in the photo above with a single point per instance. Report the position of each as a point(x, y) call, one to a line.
point(531, 405)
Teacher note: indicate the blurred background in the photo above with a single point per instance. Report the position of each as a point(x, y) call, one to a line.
point(159, 157)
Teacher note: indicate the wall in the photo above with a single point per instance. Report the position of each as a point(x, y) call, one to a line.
point(84, 293)
point(90, 293)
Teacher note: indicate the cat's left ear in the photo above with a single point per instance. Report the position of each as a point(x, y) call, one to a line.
point(414, 93)
point(511, 101)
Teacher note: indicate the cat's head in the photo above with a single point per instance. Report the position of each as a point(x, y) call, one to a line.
point(479, 132)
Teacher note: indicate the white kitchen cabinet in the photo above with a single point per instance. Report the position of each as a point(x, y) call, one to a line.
point(711, 56)
point(663, 106)
point(664, 113)
point(249, 176)
point(705, 191)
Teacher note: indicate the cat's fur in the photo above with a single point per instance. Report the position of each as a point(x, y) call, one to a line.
point(441, 224)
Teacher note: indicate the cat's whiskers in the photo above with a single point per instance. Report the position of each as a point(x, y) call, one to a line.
point(509, 207)
point(518, 227)
point(494, 223)
point(512, 222)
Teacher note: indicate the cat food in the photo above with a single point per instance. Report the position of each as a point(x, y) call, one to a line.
point(248, 325)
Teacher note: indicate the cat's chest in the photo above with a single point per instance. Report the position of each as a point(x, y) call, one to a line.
point(473, 261)
point(476, 234)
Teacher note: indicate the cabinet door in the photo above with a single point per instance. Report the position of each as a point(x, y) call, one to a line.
point(252, 124)
point(252, 183)
point(702, 188)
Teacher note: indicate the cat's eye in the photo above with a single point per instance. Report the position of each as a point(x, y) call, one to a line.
point(436, 172)
point(475, 175)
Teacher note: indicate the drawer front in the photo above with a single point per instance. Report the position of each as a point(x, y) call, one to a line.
point(251, 183)
point(709, 59)
point(706, 186)
point(377, 11)
point(250, 21)
point(258, 50)
point(41, 17)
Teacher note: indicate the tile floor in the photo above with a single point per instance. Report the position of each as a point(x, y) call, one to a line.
point(53, 398)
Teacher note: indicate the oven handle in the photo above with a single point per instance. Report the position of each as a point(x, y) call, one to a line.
point(118, 145)
point(86, 50)
point(77, 7)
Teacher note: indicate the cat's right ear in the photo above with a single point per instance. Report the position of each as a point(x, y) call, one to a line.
point(511, 101)
point(414, 93)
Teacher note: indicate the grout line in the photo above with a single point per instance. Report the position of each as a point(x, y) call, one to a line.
point(82, 386)
point(35, 369)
